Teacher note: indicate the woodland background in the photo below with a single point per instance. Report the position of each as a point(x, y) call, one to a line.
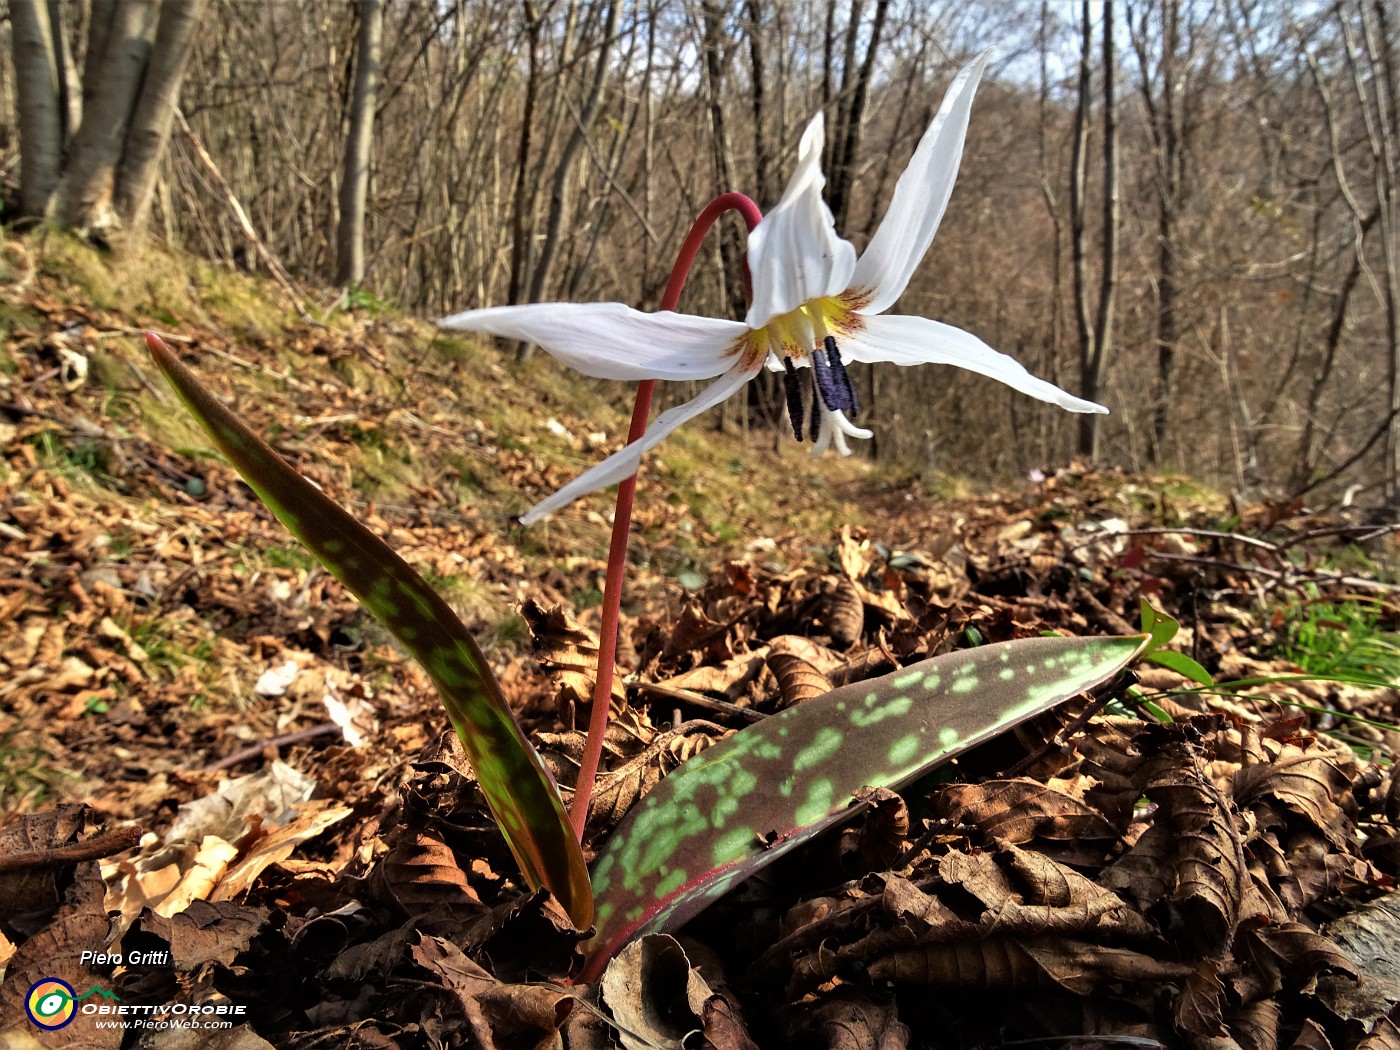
point(1187, 210)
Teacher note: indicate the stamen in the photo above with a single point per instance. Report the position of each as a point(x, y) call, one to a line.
point(843, 378)
point(814, 426)
point(826, 382)
point(792, 386)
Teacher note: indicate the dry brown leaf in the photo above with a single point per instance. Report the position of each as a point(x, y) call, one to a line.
point(729, 679)
point(693, 629)
point(1023, 810)
point(80, 925)
point(420, 874)
point(1385, 1036)
point(1367, 936)
point(844, 612)
point(1255, 1026)
point(197, 881)
point(1197, 1008)
point(568, 653)
point(849, 1023)
point(1191, 856)
point(648, 988)
point(853, 552)
point(207, 932)
point(798, 679)
point(1311, 1037)
point(882, 836)
point(277, 845)
point(28, 896)
point(498, 1015)
point(1080, 967)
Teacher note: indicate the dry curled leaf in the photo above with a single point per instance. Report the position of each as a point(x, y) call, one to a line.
point(1023, 810)
point(28, 896)
point(1368, 936)
point(798, 679)
point(498, 1015)
point(421, 875)
point(57, 951)
point(849, 1023)
point(844, 612)
point(1191, 856)
point(568, 653)
point(658, 999)
point(881, 837)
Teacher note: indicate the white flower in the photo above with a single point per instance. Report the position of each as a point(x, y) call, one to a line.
point(815, 305)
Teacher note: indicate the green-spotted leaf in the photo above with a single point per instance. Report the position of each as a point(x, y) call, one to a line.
point(742, 803)
point(521, 793)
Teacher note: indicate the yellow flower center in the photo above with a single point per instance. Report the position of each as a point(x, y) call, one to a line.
point(795, 334)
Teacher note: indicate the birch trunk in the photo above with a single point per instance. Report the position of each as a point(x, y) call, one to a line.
point(40, 119)
point(155, 111)
point(83, 199)
point(354, 182)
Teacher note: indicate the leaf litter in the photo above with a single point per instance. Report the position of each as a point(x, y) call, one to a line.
point(1225, 879)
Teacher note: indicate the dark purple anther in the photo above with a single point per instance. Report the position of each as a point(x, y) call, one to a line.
point(814, 426)
point(792, 385)
point(842, 377)
point(826, 382)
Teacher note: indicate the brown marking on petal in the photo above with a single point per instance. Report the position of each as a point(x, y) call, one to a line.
point(856, 299)
point(745, 348)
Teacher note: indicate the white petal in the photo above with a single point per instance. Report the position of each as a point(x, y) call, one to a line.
point(794, 253)
point(623, 464)
point(835, 427)
point(919, 198)
point(902, 340)
point(613, 341)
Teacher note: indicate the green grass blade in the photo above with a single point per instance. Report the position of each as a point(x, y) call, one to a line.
point(746, 801)
point(522, 795)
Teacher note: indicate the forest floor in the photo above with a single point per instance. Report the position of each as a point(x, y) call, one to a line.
point(1214, 868)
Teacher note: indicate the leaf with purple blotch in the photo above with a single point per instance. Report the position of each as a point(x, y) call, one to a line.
point(739, 805)
point(520, 791)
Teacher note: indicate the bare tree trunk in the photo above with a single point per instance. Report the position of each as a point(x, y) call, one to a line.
point(1108, 276)
point(1095, 342)
point(1383, 132)
point(70, 87)
point(519, 256)
point(354, 179)
point(758, 98)
point(155, 111)
point(83, 198)
point(1167, 124)
point(40, 117)
point(855, 89)
point(1078, 176)
point(559, 195)
point(712, 41)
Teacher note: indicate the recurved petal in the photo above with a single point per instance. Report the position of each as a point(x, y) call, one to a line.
point(920, 197)
point(623, 464)
point(613, 341)
point(794, 253)
point(902, 340)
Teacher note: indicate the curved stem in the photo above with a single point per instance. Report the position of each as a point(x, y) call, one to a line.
point(622, 516)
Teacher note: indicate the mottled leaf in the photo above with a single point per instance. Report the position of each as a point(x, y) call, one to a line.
point(517, 787)
point(746, 801)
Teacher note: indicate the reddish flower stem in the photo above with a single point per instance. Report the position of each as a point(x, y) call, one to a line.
point(622, 516)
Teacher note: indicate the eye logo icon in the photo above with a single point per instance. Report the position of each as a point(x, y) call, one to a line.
point(50, 1003)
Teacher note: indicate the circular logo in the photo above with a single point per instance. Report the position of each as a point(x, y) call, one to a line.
point(49, 1003)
